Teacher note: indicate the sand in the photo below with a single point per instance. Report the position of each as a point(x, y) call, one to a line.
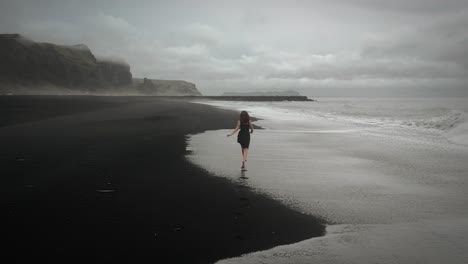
point(107, 179)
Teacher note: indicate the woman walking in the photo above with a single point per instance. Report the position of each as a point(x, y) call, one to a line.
point(243, 137)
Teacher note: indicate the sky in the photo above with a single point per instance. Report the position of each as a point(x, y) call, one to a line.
point(323, 48)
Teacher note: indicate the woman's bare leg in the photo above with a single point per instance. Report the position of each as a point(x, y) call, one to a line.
point(242, 149)
point(245, 152)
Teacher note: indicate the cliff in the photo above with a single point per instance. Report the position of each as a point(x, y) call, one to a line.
point(165, 87)
point(114, 73)
point(28, 66)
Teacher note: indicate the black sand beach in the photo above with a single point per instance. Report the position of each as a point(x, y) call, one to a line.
point(106, 179)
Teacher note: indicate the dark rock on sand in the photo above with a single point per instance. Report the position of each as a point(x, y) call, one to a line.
point(258, 98)
point(266, 93)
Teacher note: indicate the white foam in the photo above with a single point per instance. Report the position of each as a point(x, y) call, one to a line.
point(443, 123)
point(459, 134)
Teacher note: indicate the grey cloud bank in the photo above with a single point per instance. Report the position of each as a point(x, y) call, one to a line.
point(318, 48)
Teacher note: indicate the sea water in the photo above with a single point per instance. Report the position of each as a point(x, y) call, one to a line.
point(441, 118)
point(385, 173)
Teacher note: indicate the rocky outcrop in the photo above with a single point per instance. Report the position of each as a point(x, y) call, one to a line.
point(257, 98)
point(267, 93)
point(145, 86)
point(165, 87)
point(26, 63)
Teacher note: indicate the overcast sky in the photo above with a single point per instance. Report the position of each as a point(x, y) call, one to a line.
point(316, 47)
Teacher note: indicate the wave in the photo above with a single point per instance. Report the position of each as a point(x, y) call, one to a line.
point(443, 123)
point(459, 134)
point(452, 125)
point(443, 118)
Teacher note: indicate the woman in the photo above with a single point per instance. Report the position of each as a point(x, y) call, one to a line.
point(243, 137)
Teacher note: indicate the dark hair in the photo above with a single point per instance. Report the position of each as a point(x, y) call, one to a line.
point(244, 117)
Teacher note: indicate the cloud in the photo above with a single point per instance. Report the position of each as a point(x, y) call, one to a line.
point(442, 41)
point(430, 7)
point(203, 33)
point(191, 52)
point(265, 44)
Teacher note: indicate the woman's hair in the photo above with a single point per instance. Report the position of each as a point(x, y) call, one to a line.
point(244, 117)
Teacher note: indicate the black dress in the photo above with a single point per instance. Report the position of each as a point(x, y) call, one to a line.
point(243, 137)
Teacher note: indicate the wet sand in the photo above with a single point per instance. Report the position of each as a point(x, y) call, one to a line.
point(387, 198)
point(107, 179)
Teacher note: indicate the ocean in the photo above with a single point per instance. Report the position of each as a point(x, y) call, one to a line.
point(443, 119)
point(384, 173)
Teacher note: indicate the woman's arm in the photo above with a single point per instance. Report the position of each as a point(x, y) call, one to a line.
point(251, 127)
point(236, 129)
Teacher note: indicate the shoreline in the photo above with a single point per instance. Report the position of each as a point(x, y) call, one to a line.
point(108, 178)
point(245, 98)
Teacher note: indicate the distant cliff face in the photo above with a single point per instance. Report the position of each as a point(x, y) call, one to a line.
point(117, 74)
point(165, 87)
point(27, 63)
point(28, 67)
